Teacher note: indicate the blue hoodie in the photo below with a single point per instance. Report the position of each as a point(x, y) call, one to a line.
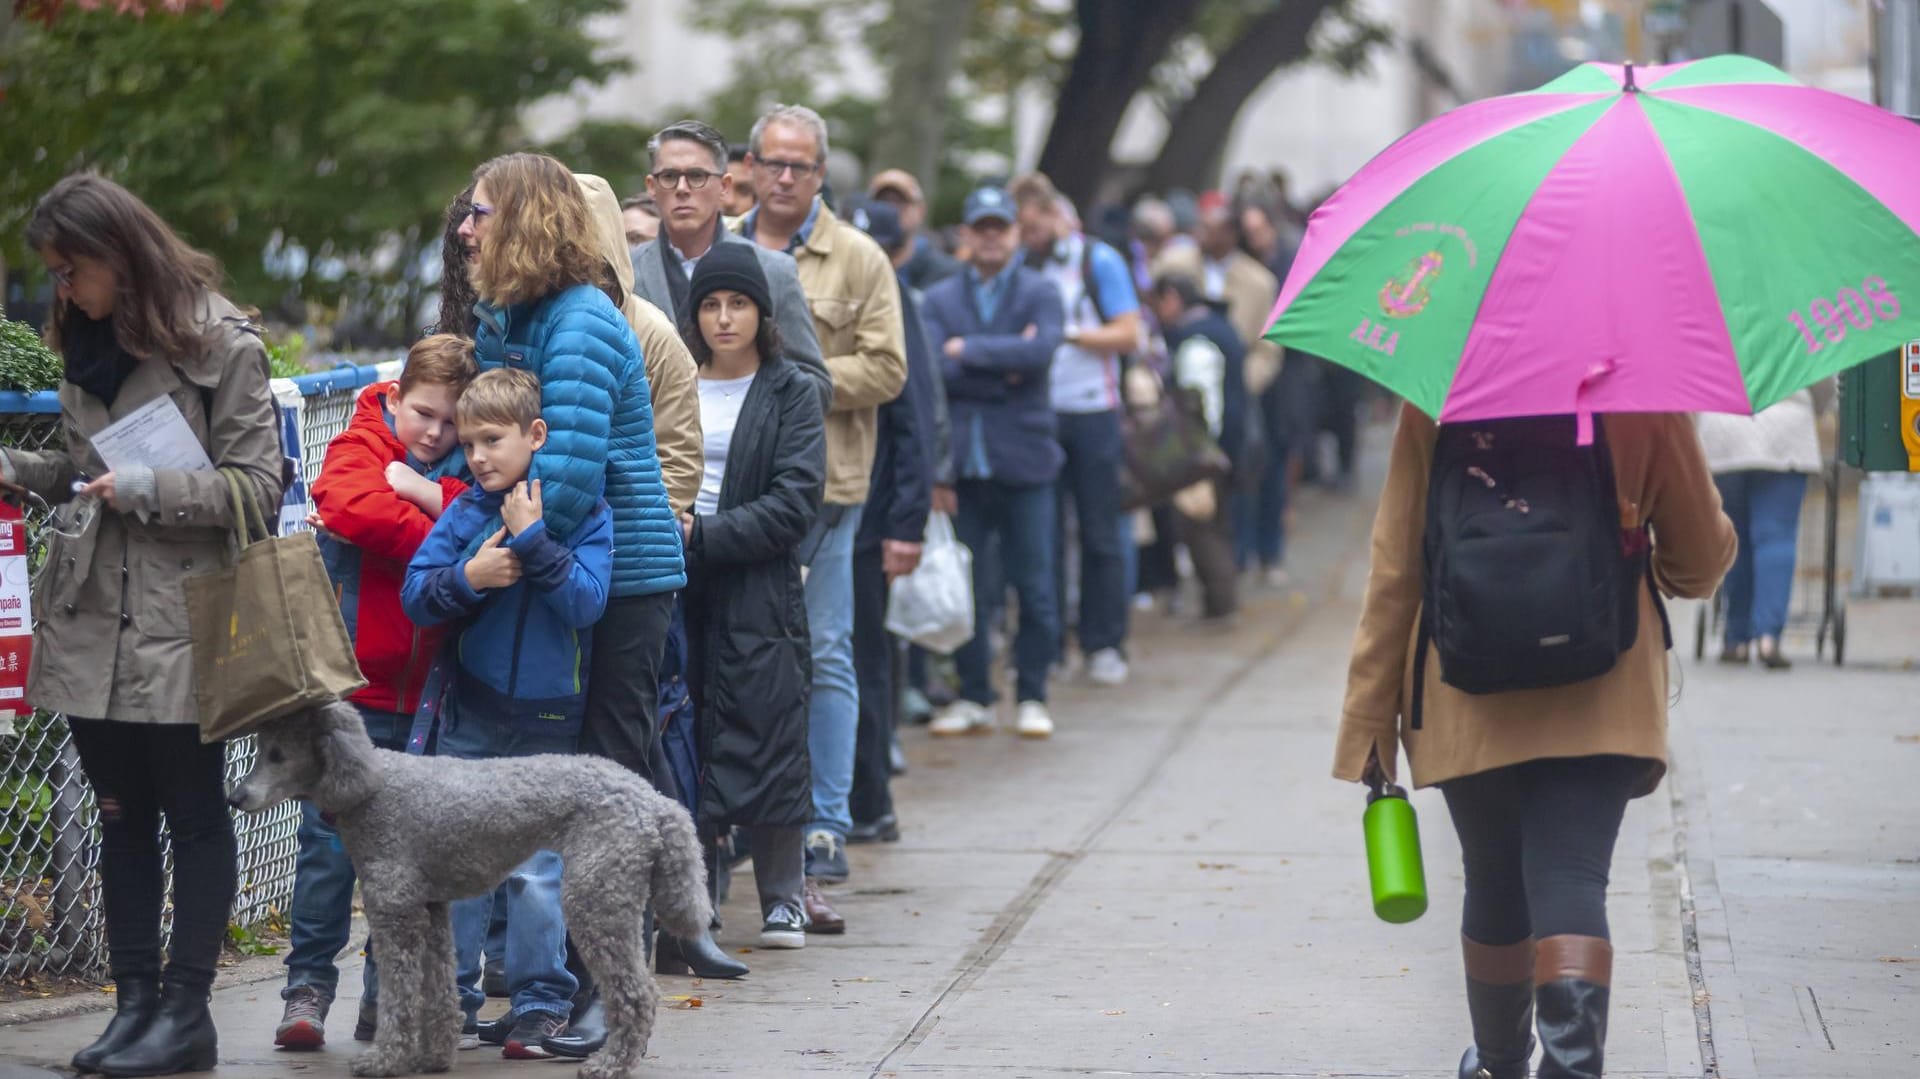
point(522, 650)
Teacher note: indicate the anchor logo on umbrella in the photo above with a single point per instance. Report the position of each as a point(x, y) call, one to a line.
point(1406, 295)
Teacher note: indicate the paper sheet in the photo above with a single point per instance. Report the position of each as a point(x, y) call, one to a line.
point(155, 435)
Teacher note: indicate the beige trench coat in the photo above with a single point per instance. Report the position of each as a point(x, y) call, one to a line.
point(1660, 468)
point(111, 635)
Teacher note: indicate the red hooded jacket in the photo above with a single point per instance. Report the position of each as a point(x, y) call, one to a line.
point(372, 534)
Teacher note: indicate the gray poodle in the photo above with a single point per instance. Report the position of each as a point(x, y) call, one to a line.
point(423, 831)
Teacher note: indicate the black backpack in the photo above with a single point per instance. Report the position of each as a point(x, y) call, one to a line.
point(1530, 578)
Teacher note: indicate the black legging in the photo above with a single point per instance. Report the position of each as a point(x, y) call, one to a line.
point(1537, 839)
point(140, 771)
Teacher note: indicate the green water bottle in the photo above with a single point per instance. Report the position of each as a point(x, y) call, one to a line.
point(1393, 856)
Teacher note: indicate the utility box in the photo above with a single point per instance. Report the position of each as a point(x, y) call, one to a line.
point(1876, 413)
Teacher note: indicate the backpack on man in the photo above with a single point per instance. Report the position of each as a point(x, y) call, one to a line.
point(1533, 564)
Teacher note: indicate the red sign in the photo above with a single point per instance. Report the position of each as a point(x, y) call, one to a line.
point(16, 615)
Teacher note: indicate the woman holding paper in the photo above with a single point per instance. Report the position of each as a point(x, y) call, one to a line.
point(142, 329)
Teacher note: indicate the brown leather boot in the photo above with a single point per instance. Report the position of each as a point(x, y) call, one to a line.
point(1500, 1003)
point(1573, 976)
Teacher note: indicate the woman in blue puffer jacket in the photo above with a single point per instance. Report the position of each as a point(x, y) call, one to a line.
point(549, 303)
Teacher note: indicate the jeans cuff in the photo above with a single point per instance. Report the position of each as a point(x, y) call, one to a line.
point(563, 1009)
point(310, 980)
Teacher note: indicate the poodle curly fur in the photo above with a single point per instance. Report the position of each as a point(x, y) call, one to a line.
point(424, 831)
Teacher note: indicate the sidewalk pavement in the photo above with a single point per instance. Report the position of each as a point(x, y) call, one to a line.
point(1173, 886)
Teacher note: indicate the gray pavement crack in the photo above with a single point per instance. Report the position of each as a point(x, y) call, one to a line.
point(1690, 935)
point(1007, 926)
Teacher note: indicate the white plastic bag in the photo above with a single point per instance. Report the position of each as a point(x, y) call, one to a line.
point(933, 605)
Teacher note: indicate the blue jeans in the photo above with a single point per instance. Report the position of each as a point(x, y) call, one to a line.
point(536, 939)
point(1024, 519)
point(1260, 516)
point(1090, 481)
point(1765, 508)
point(833, 718)
point(320, 918)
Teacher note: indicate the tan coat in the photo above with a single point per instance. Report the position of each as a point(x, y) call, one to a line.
point(855, 300)
point(1659, 467)
point(111, 641)
point(672, 376)
point(1251, 290)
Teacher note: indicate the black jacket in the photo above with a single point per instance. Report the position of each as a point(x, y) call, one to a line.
point(1214, 326)
point(751, 659)
point(901, 494)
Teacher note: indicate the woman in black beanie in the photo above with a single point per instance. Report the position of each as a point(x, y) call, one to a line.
point(750, 666)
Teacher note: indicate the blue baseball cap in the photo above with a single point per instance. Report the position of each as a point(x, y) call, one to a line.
point(988, 203)
point(880, 220)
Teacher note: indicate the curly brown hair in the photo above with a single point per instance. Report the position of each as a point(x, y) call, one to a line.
point(456, 284)
point(161, 277)
point(542, 239)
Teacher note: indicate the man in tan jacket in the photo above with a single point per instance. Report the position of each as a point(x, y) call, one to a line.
point(1230, 276)
point(855, 302)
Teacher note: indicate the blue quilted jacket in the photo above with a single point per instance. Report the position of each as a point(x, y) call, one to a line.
point(599, 413)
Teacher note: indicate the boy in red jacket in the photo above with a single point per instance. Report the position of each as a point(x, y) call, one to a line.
point(381, 487)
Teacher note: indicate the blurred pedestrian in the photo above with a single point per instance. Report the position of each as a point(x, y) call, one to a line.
point(997, 328)
point(639, 219)
point(1761, 463)
point(1102, 310)
point(1536, 780)
point(138, 319)
point(855, 303)
point(739, 199)
point(919, 260)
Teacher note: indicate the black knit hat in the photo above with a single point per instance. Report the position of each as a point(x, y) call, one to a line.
point(733, 266)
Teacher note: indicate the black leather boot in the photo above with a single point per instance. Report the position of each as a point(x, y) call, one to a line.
point(1573, 975)
point(1500, 1004)
point(698, 956)
point(586, 1032)
point(134, 1002)
point(180, 1038)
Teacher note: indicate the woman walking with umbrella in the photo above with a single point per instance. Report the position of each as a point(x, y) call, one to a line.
point(1516, 269)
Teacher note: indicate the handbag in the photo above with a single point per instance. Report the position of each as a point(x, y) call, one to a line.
point(1167, 450)
point(267, 635)
point(933, 605)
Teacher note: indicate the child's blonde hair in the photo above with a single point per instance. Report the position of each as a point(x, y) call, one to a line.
point(441, 359)
point(504, 395)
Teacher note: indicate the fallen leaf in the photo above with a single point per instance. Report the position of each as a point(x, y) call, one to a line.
point(683, 1002)
point(1114, 1011)
point(1900, 959)
point(1217, 865)
point(1908, 738)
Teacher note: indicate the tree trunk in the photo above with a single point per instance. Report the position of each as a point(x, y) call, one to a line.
point(1198, 132)
point(918, 86)
point(1119, 45)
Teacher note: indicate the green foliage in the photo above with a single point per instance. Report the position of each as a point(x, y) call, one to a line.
point(287, 357)
point(336, 128)
point(248, 942)
point(26, 363)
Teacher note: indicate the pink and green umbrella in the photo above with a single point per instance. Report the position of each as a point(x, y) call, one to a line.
point(1708, 236)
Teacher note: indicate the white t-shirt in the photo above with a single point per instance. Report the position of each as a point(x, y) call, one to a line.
point(720, 401)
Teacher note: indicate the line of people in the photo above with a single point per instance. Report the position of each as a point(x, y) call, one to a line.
point(639, 493)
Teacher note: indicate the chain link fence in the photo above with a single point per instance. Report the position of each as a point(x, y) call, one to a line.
point(50, 916)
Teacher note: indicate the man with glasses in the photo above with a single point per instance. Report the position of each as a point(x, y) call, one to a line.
point(689, 184)
point(855, 302)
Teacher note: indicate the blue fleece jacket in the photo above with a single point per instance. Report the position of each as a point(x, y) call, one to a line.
point(522, 650)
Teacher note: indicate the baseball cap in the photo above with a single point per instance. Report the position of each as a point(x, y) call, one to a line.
point(985, 203)
point(880, 220)
point(896, 180)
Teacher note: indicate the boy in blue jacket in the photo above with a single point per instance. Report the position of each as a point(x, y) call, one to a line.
point(525, 604)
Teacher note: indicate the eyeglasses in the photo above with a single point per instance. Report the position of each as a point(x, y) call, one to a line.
point(481, 209)
point(801, 169)
point(62, 276)
point(695, 178)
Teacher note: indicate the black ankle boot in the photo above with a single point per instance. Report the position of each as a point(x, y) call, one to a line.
point(134, 1002)
point(1500, 1005)
point(586, 1032)
point(1574, 974)
point(700, 957)
point(180, 1038)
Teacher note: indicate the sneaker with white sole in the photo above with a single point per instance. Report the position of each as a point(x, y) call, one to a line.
point(962, 717)
point(785, 927)
point(1033, 720)
point(1107, 667)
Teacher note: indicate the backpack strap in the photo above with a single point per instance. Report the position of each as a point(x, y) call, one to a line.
point(1659, 605)
point(1421, 642)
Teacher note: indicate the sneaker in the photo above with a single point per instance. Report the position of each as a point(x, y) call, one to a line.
point(470, 1034)
point(962, 717)
point(826, 857)
point(304, 1023)
point(1276, 578)
point(523, 1042)
point(1107, 668)
point(785, 927)
point(1033, 720)
point(364, 1023)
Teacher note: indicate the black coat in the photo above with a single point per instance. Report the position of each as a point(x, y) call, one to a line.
point(751, 664)
point(901, 492)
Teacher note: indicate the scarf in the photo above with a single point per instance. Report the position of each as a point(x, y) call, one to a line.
point(678, 281)
point(95, 362)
